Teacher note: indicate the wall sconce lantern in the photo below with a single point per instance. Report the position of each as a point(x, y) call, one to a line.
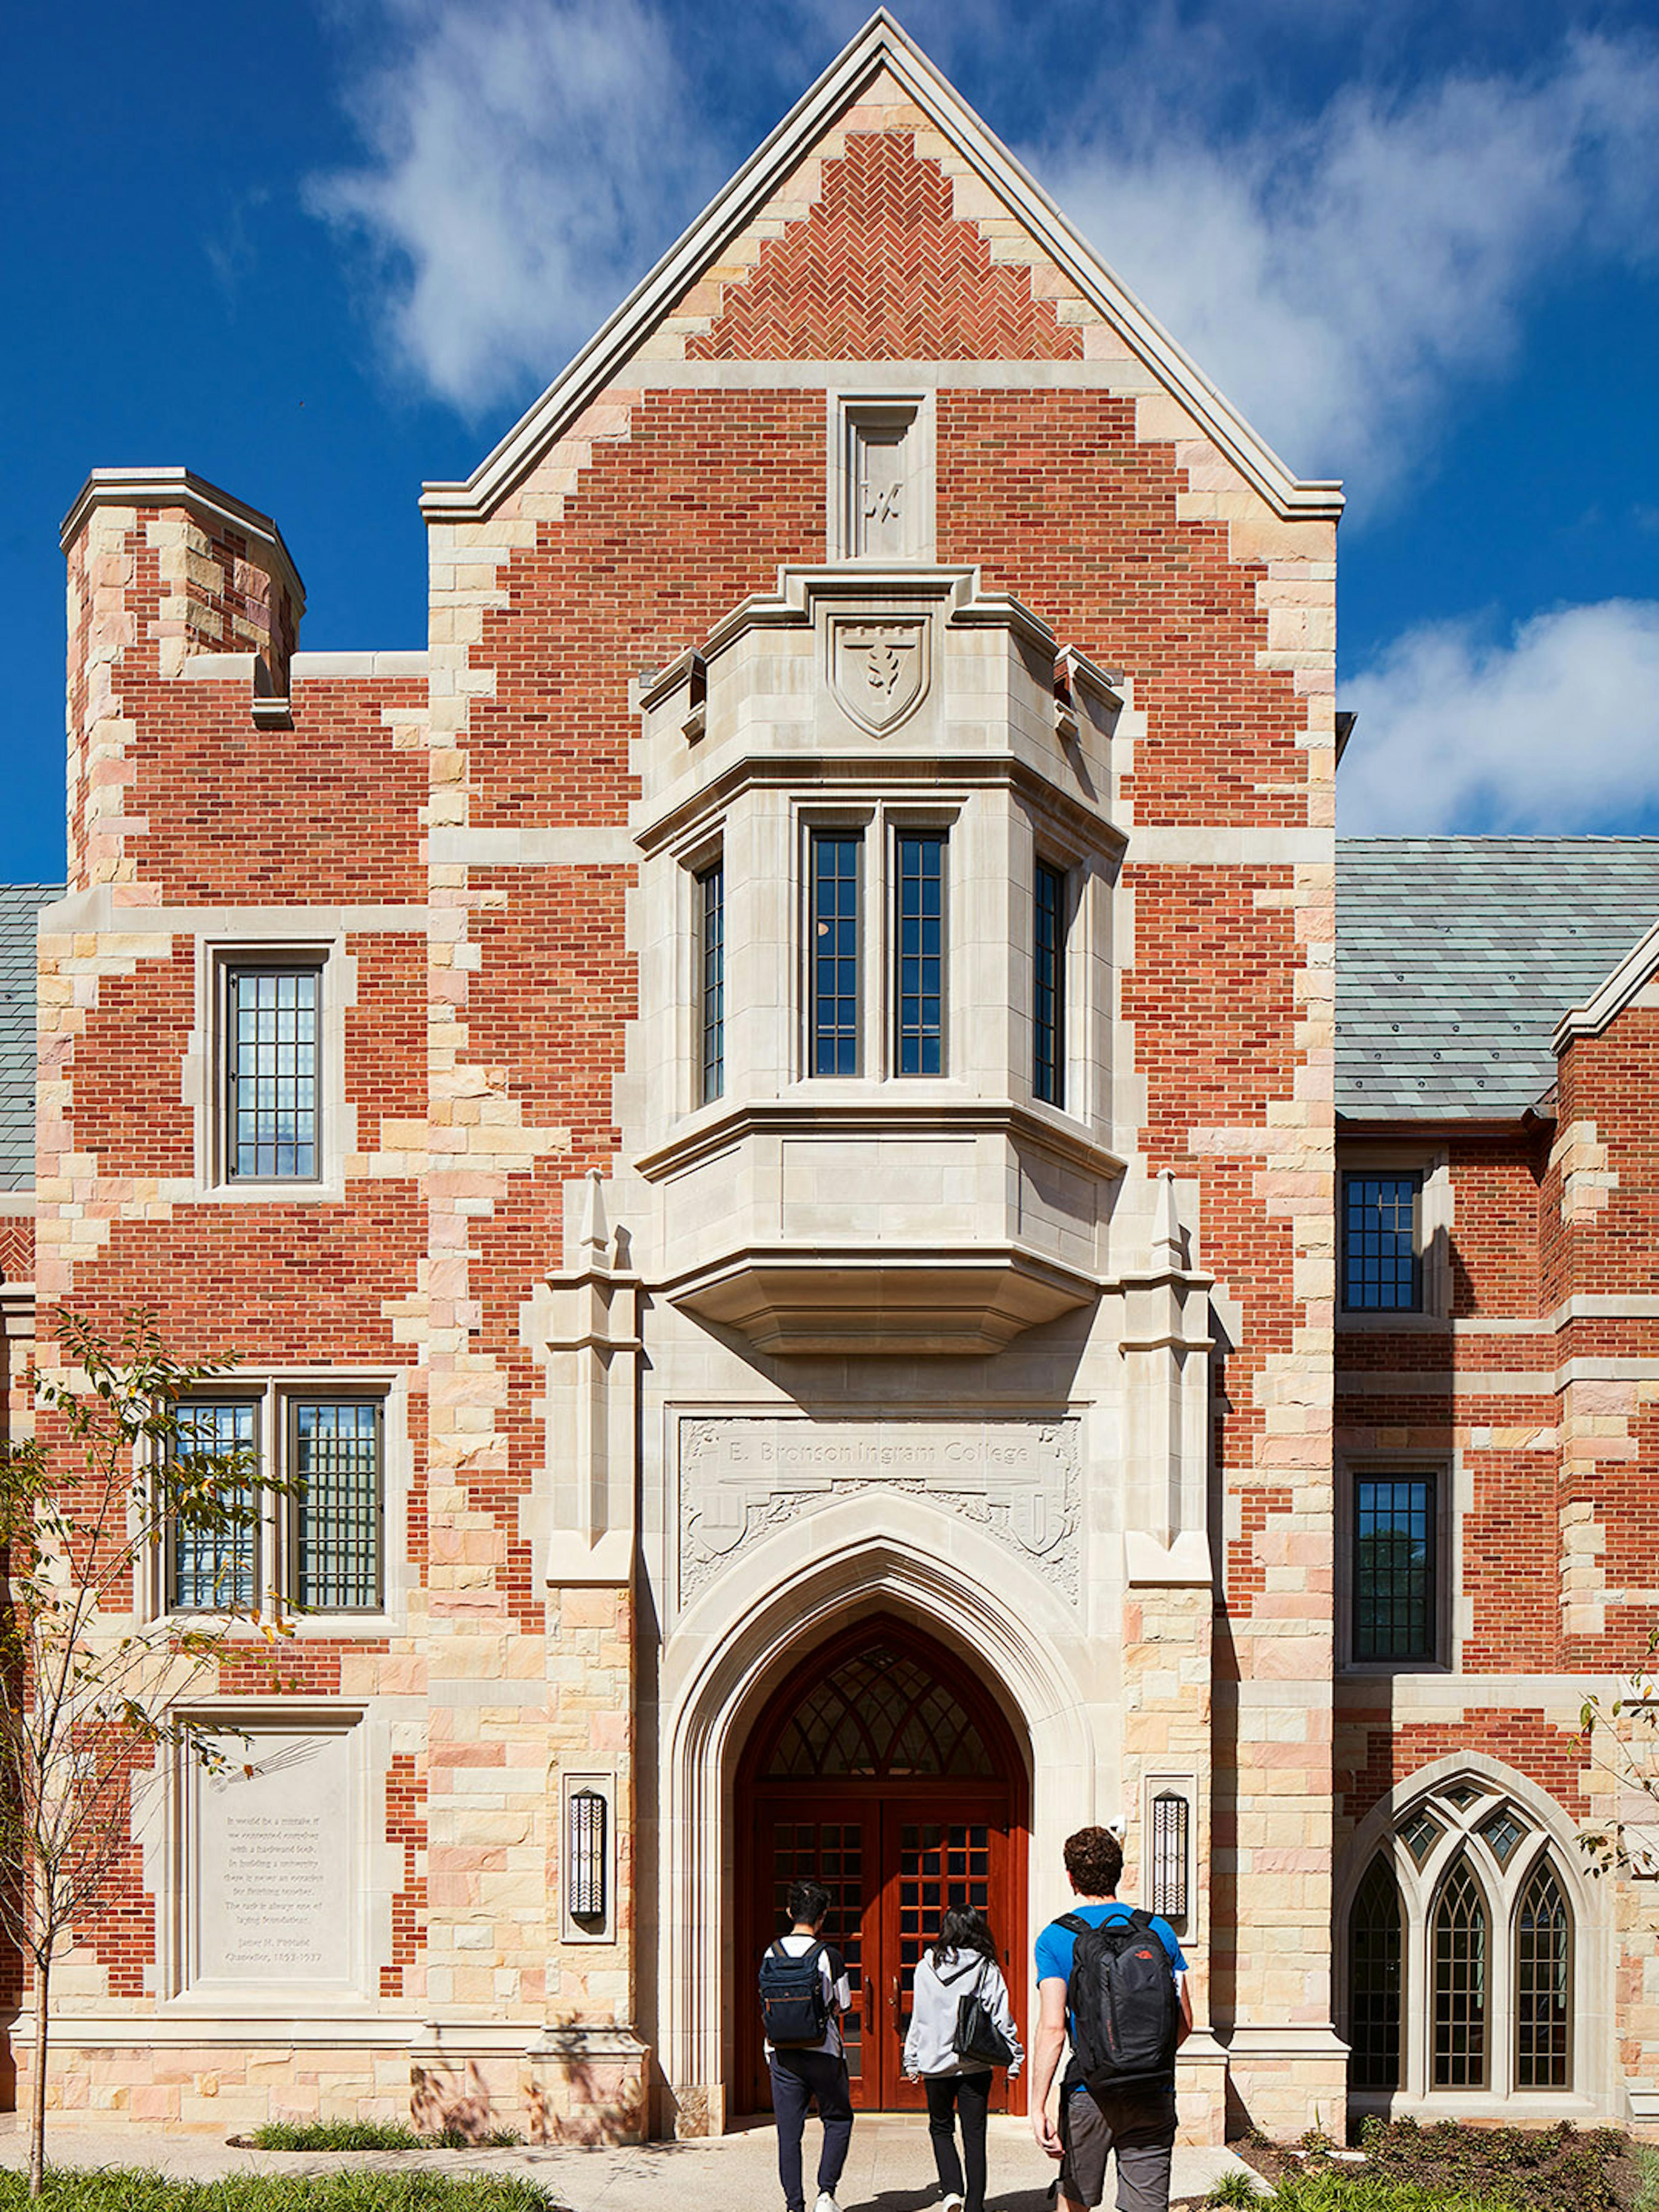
point(1170, 1816)
point(586, 1818)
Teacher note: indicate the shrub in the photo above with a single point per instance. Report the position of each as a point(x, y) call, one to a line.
point(113, 2188)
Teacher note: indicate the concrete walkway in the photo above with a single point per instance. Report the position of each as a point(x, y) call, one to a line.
point(890, 2170)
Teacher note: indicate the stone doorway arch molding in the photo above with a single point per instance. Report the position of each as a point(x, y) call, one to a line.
point(1596, 2084)
point(728, 1652)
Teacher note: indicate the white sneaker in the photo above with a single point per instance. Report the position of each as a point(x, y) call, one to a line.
point(826, 2202)
point(953, 2204)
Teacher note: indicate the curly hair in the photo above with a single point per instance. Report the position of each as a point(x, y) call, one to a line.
point(1094, 1860)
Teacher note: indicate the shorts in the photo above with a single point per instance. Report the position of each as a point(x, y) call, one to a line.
point(1141, 2130)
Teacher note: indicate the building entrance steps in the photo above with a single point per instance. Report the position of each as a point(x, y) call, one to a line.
point(890, 2168)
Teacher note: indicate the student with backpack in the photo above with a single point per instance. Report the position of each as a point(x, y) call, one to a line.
point(1113, 1979)
point(961, 2027)
point(804, 1990)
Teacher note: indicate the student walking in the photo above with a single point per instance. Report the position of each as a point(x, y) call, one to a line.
point(1107, 1959)
point(960, 2019)
point(804, 1991)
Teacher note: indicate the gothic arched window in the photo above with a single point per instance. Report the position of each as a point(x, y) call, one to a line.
point(1461, 1958)
point(1374, 1980)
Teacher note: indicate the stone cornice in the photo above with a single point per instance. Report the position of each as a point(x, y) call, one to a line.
point(180, 486)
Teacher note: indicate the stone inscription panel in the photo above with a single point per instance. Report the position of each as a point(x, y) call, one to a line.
point(273, 1898)
point(744, 1475)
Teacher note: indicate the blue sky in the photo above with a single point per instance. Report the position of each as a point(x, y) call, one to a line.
point(320, 253)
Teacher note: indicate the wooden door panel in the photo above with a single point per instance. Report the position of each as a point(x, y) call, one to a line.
point(838, 1845)
point(931, 1860)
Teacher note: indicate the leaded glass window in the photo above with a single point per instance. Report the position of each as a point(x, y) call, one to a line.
point(1459, 1940)
point(336, 1508)
point(1543, 1982)
point(834, 981)
point(1420, 1834)
point(213, 1569)
point(1504, 1831)
point(272, 1102)
point(1394, 1593)
point(878, 1712)
point(711, 961)
point(1048, 991)
point(919, 951)
point(1382, 1268)
point(1374, 1978)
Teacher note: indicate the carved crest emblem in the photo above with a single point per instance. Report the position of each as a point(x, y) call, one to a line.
point(878, 670)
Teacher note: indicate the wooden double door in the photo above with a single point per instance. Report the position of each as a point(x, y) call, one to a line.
point(894, 1848)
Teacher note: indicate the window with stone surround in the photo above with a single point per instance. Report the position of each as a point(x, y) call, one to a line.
point(710, 885)
point(1395, 1601)
point(271, 1071)
point(310, 1537)
point(1048, 985)
point(835, 956)
point(1461, 1961)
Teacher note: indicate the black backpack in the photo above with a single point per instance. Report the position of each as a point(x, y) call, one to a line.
point(794, 2008)
point(1124, 2007)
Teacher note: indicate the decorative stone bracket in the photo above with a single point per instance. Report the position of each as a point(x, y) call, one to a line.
point(586, 1322)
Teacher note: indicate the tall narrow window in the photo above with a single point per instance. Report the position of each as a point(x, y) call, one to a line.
point(211, 1570)
point(271, 1097)
point(1382, 1266)
point(1394, 1593)
point(835, 980)
point(1543, 1982)
point(1374, 1954)
point(1049, 994)
point(919, 952)
point(711, 960)
point(335, 1468)
point(1458, 1943)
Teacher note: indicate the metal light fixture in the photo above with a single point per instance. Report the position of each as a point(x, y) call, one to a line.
point(1170, 1814)
point(586, 1818)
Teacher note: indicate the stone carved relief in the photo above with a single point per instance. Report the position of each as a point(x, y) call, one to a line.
point(878, 670)
point(744, 1475)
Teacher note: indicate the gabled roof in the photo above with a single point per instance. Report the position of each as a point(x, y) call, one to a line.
point(18, 904)
point(1457, 958)
point(882, 45)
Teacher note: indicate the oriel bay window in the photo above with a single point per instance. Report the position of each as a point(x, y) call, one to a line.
point(309, 1531)
point(1048, 986)
point(835, 956)
point(919, 952)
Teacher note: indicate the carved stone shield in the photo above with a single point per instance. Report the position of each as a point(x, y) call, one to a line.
point(878, 670)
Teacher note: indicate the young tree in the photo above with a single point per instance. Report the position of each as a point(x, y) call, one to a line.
point(98, 1683)
point(1621, 1735)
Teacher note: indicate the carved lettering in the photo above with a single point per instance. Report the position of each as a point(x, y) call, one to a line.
point(274, 1893)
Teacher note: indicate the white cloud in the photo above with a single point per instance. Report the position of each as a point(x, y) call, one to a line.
point(1335, 276)
point(1555, 729)
point(528, 160)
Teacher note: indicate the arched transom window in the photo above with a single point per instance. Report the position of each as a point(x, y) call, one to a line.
point(1460, 1954)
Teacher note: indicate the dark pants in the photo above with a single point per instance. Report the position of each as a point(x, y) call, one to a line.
point(971, 2095)
point(798, 2076)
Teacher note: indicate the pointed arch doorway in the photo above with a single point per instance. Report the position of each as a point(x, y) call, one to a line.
point(883, 1767)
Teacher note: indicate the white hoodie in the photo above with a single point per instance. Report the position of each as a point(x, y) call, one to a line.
point(942, 1980)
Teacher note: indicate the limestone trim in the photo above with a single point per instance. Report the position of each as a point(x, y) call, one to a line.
point(1002, 188)
point(182, 487)
point(728, 1650)
point(1617, 990)
point(1594, 2041)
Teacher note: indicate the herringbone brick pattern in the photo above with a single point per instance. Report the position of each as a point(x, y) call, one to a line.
point(882, 270)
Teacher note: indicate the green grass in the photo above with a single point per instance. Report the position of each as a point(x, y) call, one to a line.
point(373, 2135)
point(113, 2189)
point(1647, 2158)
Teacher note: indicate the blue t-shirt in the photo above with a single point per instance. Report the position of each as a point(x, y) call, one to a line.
point(1055, 1945)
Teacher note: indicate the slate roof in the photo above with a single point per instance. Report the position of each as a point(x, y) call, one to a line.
point(18, 904)
point(1456, 957)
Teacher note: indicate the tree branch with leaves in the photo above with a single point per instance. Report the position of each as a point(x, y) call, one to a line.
point(103, 1684)
point(1621, 1735)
